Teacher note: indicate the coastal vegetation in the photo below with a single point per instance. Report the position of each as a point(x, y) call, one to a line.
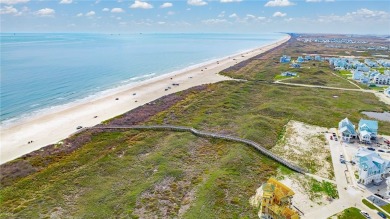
point(349, 213)
point(143, 173)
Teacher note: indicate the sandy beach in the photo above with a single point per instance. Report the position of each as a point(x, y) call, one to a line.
point(52, 127)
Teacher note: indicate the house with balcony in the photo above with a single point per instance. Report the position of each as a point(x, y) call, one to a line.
point(357, 75)
point(300, 59)
point(371, 63)
point(276, 201)
point(381, 79)
point(372, 168)
point(288, 74)
point(347, 130)
point(367, 130)
point(285, 59)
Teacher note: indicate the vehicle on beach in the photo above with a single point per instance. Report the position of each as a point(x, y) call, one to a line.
point(79, 127)
point(371, 149)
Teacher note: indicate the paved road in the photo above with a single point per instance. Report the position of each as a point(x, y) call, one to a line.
point(349, 194)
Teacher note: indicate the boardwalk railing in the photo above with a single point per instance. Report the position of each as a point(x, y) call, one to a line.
point(206, 135)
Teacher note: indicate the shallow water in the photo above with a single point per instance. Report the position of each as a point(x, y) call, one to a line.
point(40, 71)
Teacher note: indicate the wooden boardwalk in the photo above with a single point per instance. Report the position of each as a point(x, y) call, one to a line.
point(206, 135)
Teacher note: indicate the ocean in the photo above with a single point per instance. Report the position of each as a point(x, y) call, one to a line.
point(44, 72)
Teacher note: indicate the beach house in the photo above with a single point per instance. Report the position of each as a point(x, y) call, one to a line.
point(295, 65)
point(371, 166)
point(308, 58)
point(357, 75)
point(347, 130)
point(367, 130)
point(288, 74)
point(371, 63)
point(381, 79)
point(387, 92)
point(276, 201)
point(285, 59)
point(317, 58)
point(300, 59)
point(363, 67)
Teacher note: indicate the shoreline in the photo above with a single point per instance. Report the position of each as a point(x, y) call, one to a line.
point(54, 126)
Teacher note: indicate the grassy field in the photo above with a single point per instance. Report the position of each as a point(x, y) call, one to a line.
point(140, 174)
point(143, 174)
point(349, 213)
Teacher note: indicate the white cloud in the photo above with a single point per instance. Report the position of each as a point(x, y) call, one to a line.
point(222, 14)
point(79, 15)
point(89, 14)
point(45, 12)
point(215, 21)
point(13, 2)
point(8, 10)
point(105, 9)
point(141, 4)
point(66, 1)
point(278, 3)
point(228, 1)
point(117, 10)
point(161, 22)
point(196, 2)
point(279, 14)
point(313, 0)
point(166, 5)
point(360, 15)
point(234, 15)
point(170, 13)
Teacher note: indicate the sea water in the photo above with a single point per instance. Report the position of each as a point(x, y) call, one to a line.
point(40, 72)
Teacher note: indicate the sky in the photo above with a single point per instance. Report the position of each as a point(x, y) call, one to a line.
point(225, 16)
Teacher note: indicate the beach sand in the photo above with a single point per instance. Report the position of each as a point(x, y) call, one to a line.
point(52, 127)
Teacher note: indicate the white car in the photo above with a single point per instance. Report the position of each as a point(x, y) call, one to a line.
point(365, 214)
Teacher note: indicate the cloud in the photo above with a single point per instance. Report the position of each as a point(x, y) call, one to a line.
point(170, 13)
point(215, 21)
point(161, 22)
point(196, 2)
point(359, 15)
point(278, 3)
point(141, 4)
point(13, 2)
point(66, 1)
point(79, 15)
point(229, 1)
point(222, 14)
point(166, 5)
point(279, 14)
point(234, 15)
point(313, 0)
point(9, 10)
point(45, 12)
point(117, 10)
point(89, 14)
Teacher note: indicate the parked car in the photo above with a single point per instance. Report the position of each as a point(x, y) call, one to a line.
point(387, 141)
point(334, 134)
point(381, 150)
point(331, 138)
point(352, 162)
point(79, 127)
point(382, 214)
point(335, 139)
point(341, 156)
point(365, 214)
point(342, 160)
point(371, 149)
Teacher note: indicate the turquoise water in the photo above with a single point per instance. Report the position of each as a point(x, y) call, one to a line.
point(40, 71)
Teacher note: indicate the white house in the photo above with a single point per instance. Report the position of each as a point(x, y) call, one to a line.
point(372, 167)
point(382, 79)
point(368, 130)
point(387, 92)
point(357, 75)
point(347, 130)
